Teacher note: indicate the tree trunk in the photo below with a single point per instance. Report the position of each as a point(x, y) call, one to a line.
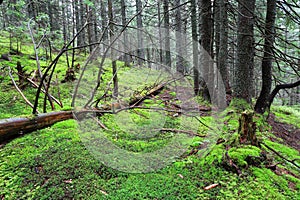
point(159, 32)
point(168, 61)
point(73, 32)
point(78, 22)
point(217, 21)
point(82, 21)
point(65, 30)
point(50, 14)
point(245, 50)
point(266, 66)
point(195, 46)
point(206, 35)
point(104, 20)
point(223, 45)
point(89, 27)
point(125, 36)
point(139, 21)
point(18, 126)
point(179, 58)
point(111, 34)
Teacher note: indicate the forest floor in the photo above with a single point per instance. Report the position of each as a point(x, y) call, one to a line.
point(289, 134)
point(57, 163)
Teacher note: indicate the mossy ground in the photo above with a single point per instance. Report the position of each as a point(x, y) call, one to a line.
point(54, 163)
point(287, 114)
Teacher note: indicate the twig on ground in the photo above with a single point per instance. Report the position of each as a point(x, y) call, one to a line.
point(100, 123)
point(197, 118)
point(189, 132)
point(278, 154)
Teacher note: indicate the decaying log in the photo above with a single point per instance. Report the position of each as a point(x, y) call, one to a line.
point(13, 127)
point(18, 126)
point(139, 99)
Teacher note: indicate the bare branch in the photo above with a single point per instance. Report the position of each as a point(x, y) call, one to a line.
point(18, 89)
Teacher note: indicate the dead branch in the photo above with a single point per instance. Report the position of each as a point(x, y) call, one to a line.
point(38, 62)
point(281, 156)
point(53, 65)
point(189, 132)
point(18, 89)
point(36, 86)
point(100, 123)
point(197, 118)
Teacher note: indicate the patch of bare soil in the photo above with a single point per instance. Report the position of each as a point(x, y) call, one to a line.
point(289, 133)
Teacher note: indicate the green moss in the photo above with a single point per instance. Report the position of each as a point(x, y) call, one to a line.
point(273, 184)
point(239, 104)
point(284, 150)
point(173, 94)
point(67, 108)
point(215, 155)
point(289, 115)
point(239, 154)
point(294, 180)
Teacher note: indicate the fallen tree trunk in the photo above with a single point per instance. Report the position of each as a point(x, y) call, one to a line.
point(13, 127)
point(139, 99)
point(17, 126)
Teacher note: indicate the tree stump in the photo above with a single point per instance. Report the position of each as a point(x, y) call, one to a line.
point(21, 75)
point(70, 76)
point(247, 129)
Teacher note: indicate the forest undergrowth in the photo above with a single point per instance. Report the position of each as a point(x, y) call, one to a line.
point(54, 163)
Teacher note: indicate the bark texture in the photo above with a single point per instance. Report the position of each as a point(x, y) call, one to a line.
point(247, 129)
point(167, 33)
point(266, 67)
point(18, 126)
point(139, 21)
point(245, 50)
point(195, 46)
point(206, 40)
point(222, 56)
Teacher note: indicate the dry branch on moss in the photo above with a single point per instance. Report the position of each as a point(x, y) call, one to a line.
point(139, 99)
